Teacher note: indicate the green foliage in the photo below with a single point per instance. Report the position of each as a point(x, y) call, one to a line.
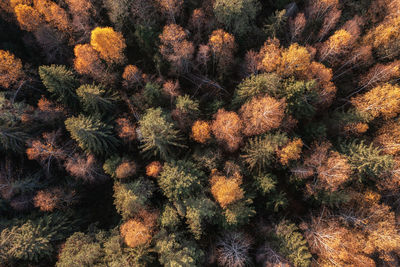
point(34, 240)
point(80, 250)
point(180, 180)
point(92, 135)
point(186, 105)
point(131, 198)
point(152, 94)
point(238, 213)
point(61, 82)
point(175, 249)
point(207, 158)
point(266, 183)
point(292, 244)
point(277, 201)
point(111, 164)
point(300, 97)
point(259, 151)
point(95, 98)
point(255, 85)
point(198, 211)
point(170, 217)
point(237, 15)
point(158, 134)
point(366, 160)
point(276, 23)
point(12, 140)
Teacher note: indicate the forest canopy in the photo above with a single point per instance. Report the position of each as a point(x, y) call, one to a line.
point(186, 133)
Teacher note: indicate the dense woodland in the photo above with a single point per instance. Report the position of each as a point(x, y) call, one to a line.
point(199, 133)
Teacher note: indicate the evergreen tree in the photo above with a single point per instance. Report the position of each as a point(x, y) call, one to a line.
point(158, 134)
point(92, 135)
point(12, 140)
point(95, 98)
point(61, 82)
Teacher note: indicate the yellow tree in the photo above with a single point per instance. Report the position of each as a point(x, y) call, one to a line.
point(337, 44)
point(270, 55)
point(53, 14)
point(227, 128)
point(201, 131)
point(294, 61)
point(109, 43)
point(10, 69)
point(262, 114)
point(223, 46)
point(225, 190)
point(383, 100)
point(28, 18)
point(292, 151)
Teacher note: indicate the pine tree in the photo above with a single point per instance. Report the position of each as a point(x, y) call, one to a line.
point(95, 98)
point(61, 82)
point(12, 139)
point(199, 211)
point(131, 198)
point(259, 152)
point(367, 160)
point(92, 135)
point(159, 135)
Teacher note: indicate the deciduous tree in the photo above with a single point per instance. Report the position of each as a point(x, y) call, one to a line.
point(227, 128)
point(109, 43)
point(28, 18)
point(10, 69)
point(201, 131)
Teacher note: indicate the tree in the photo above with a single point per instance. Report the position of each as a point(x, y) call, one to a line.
point(257, 85)
point(186, 111)
point(153, 169)
point(92, 135)
point(199, 210)
point(237, 16)
point(259, 152)
point(337, 44)
point(132, 198)
point(87, 61)
point(226, 190)
point(61, 82)
point(227, 128)
point(297, 26)
point(53, 14)
point(119, 13)
point(171, 7)
point(53, 198)
point(294, 61)
point(180, 180)
point(262, 114)
point(28, 18)
point(109, 43)
point(135, 233)
point(175, 48)
point(233, 249)
point(120, 167)
point(380, 73)
point(382, 101)
point(388, 138)
point(10, 69)
point(158, 134)
point(201, 131)
point(270, 54)
point(126, 130)
point(366, 160)
point(95, 98)
point(292, 151)
point(223, 46)
point(330, 21)
point(175, 249)
point(85, 168)
point(132, 76)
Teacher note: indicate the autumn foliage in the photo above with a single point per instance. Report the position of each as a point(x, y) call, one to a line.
point(109, 43)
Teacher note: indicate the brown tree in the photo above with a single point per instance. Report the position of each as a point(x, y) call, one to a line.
point(10, 69)
point(227, 128)
point(28, 18)
point(87, 61)
point(262, 114)
point(223, 46)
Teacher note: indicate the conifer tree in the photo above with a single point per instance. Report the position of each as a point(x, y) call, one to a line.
point(92, 135)
point(61, 82)
point(159, 135)
point(95, 98)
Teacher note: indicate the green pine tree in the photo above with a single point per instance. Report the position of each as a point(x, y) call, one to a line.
point(61, 82)
point(92, 135)
point(95, 98)
point(12, 140)
point(158, 134)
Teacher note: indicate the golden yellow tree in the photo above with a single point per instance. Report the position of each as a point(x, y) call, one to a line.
point(223, 46)
point(201, 131)
point(53, 14)
point(270, 54)
point(10, 69)
point(338, 43)
point(109, 43)
point(262, 114)
point(291, 151)
point(383, 100)
point(28, 18)
point(294, 61)
point(227, 128)
point(225, 190)
point(135, 233)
